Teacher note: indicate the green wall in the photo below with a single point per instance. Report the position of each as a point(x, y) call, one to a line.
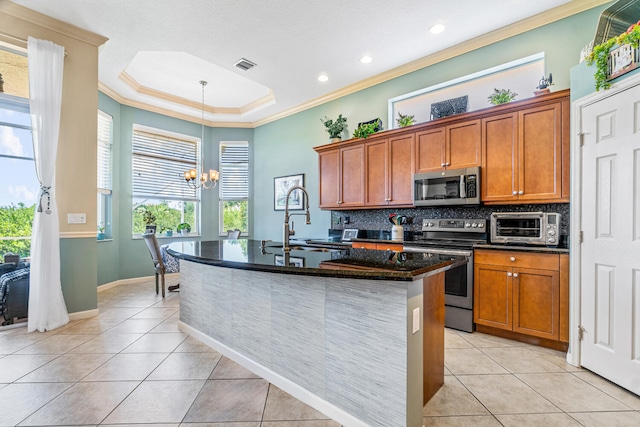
point(125, 257)
point(78, 262)
point(285, 147)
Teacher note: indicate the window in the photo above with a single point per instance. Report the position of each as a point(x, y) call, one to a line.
point(234, 186)
point(160, 194)
point(18, 177)
point(105, 173)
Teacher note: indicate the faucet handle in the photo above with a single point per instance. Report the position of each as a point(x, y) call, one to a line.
point(292, 232)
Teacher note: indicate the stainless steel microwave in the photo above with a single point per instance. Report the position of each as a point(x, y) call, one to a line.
point(450, 187)
point(529, 228)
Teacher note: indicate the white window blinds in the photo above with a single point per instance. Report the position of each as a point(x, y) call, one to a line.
point(159, 163)
point(105, 123)
point(234, 170)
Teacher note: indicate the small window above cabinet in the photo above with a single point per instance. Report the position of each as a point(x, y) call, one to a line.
point(455, 146)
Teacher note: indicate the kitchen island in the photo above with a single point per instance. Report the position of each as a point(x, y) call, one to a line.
point(357, 334)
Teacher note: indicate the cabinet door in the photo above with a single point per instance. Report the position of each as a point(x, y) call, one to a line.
point(329, 162)
point(499, 158)
point(430, 150)
point(464, 145)
point(376, 172)
point(352, 176)
point(536, 305)
point(400, 171)
point(492, 292)
point(540, 153)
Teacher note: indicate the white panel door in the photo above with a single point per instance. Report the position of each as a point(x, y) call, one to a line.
point(610, 264)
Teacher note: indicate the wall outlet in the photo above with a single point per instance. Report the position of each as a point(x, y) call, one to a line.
point(76, 218)
point(416, 320)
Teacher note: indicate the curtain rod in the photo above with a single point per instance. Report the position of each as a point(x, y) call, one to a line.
point(19, 40)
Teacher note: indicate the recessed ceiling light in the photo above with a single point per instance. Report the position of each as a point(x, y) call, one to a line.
point(437, 29)
point(366, 59)
point(323, 78)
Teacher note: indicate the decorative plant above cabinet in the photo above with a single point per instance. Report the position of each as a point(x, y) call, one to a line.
point(501, 96)
point(405, 120)
point(600, 55)
point(335, 127)
point(368, 128)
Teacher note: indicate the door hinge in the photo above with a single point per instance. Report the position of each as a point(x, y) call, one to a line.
point(581, 236)
point(581, 136)
point(580, 333)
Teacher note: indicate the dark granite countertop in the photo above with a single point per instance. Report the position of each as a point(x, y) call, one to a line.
point(530, 248)
point(313, 261)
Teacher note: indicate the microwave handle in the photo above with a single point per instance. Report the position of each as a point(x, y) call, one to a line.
point(463, 187)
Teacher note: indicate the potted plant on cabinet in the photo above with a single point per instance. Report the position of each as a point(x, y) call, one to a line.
point(405, 120)
point(335, 127)
point(368, 128)
point(501, 96)
point(184, 229)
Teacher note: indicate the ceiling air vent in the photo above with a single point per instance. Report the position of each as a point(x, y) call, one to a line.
point(244, 64)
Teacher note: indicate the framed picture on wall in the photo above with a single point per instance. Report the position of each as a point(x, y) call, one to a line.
point(281, 185)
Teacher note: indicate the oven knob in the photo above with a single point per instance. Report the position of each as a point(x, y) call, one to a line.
point(552, 240)
point(467, 224)
point(474, 225)
point(480, 225)
point(552, 233)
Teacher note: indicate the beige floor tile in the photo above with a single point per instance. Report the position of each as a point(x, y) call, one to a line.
point(452, 340)
point(156, 343)
point(56, 344)
point(127, 367)
point(312, 423)
point(229, 400)
point(107, 343)
point(227, 369)
point(135, 326)
point(505, 394)
point(15, 366)
point(570, 393)
point(467, 421)
point(617, 392)
point(282, 406)
point(192, 345)
point(17, 341)
point(156, 402)
point(169, 325)
point(470, 361)
point(84, 403)
point(116, 314)
point(520, 360)
point(186, 366)
point(249, 424)
point(453, 399)
point(537, 420)
point(18, 401)
point(67, 368)
point(146, 425)
point(156, 313)
point(481, 340)
point(617, 419)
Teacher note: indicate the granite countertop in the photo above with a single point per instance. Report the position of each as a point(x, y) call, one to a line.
point(249, 255)
point(530, 248)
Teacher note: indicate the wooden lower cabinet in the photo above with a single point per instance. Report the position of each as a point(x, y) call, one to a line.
point(390, 246)
point(521, 292)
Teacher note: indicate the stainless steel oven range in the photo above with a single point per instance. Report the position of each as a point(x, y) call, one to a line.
point(453, 237)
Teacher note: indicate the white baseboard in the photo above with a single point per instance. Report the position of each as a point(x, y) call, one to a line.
point(300, 393)
point(134, 281)
point(79, 315)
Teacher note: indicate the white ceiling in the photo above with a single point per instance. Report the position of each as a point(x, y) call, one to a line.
point(159, 50)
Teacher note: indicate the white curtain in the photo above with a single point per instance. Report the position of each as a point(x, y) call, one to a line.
point(47, 309)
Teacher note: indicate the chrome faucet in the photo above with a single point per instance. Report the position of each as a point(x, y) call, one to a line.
point(291, 232)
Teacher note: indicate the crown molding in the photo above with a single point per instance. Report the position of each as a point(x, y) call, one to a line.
point(50, 23)
point(169, 113)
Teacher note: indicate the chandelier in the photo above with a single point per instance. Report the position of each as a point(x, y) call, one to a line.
point(197, 180)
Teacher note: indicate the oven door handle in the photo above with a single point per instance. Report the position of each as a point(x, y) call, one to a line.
point(437, 251)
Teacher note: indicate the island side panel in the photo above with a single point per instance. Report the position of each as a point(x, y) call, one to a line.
point(433, 333)
point(342, 340)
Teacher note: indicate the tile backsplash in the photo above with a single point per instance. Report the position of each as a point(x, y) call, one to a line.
point(378, 219)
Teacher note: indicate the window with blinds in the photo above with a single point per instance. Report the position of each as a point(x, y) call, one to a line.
point(105, 174)
point(159, 162)
point(234, 186)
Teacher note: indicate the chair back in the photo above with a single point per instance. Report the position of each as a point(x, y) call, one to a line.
point(154, 250)
point(233, 234)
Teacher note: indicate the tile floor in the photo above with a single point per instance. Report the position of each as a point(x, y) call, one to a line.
point(131, 365)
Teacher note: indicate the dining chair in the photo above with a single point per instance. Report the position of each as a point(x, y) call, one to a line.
point(156, 257)
point(233, 234)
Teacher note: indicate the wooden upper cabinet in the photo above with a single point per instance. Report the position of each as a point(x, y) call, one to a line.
point(342, 177)
point(449, 147)
point(389, 171)
point(525, 156)
point(376, 172)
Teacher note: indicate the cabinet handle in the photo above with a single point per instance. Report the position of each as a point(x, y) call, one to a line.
point(447, 164)
point(515, 192)
point(509, 274)
point(520, 192)
point(512, 258)
point(515, 274)
point(442, 164)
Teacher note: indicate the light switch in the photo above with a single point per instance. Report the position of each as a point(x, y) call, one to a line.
point(76, 218)
point(416, 320)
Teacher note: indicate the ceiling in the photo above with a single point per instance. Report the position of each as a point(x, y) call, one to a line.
point(159, 50)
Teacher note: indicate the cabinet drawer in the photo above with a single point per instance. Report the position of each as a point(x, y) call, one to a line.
point(363, 245)
point(518, 259)
point(378, 246)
